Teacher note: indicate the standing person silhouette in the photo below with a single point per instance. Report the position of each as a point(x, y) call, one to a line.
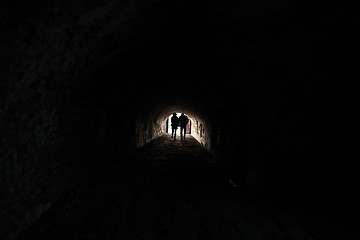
point(174, 125)
point(183, 122)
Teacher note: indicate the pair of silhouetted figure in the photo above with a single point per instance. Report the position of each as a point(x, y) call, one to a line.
point(175, 122)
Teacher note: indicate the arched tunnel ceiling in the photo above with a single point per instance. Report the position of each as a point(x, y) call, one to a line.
point(135, 42)
point(195, 108)
point(204, 52)
point(159, 85)
point(216, 54)
point(186, 39)
point(157, 94)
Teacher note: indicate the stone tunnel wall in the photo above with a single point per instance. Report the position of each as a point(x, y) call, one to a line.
point(48, 120)
point(201, 131)
point(146, 130)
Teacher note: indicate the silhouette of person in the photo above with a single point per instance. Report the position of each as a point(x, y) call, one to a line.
point(183, 119)
point(174, 125)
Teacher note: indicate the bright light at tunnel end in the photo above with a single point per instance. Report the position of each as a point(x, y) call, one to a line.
point(178, 114)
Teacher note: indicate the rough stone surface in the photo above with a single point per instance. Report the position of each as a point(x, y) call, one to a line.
point(176, 190)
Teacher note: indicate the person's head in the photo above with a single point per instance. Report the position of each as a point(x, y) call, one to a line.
point(174, 114)
point(182, 114)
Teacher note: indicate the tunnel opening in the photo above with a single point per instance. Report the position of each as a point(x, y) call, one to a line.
point(158, 123)
point(168, 123)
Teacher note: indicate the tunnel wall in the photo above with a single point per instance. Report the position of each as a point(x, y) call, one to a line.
point(146, 130)
point(201, 131)
point(48, 119)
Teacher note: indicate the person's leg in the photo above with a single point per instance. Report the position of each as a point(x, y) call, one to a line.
point(184, 132)
point(172, 132)
point(181, 135)
point(175, 133)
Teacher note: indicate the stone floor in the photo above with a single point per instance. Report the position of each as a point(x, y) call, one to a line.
point(175, 190)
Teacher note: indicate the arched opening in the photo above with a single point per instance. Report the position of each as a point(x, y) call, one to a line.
point(168, 123)
point(158, 122)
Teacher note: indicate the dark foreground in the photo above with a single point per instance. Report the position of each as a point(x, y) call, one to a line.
point(175, 190)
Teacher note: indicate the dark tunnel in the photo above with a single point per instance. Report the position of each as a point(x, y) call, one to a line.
point(88, 86)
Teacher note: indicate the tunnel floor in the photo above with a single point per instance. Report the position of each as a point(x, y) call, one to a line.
point(175, 190)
